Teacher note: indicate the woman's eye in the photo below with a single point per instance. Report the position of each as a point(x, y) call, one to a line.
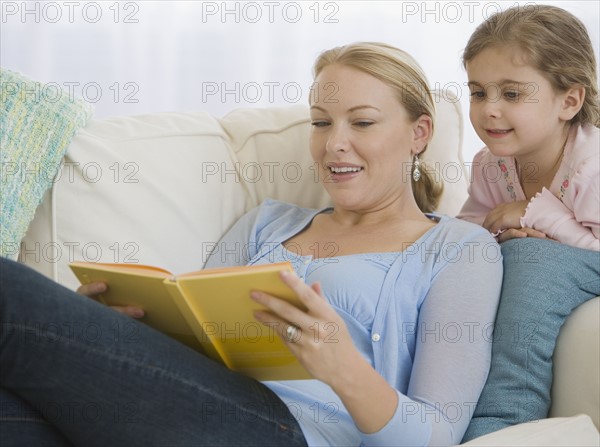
point(319, 123)
point(363, 123)
point(511, 95)
point(477, 95)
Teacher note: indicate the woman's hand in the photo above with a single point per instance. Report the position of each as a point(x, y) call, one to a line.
point(505, 222)
point(323, 345)
point(321, 341)
point(93, 289)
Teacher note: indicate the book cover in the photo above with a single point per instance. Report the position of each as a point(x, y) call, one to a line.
point(209, 310)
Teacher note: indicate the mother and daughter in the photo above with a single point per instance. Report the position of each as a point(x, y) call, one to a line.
point(532, 77)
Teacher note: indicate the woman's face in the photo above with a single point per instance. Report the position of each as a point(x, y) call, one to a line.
point(363, 139)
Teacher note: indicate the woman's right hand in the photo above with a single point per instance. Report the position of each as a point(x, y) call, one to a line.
point(93, 289)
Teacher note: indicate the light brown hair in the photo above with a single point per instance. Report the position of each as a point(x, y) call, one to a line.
point(553, 41)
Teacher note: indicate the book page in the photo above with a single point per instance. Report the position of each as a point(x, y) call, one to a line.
point(136, 269)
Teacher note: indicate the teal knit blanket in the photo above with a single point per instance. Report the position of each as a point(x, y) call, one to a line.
point(37, 123)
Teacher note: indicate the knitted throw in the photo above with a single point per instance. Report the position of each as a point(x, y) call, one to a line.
point(37, 123)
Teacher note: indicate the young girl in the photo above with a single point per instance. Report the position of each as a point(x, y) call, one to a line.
point(534, 103)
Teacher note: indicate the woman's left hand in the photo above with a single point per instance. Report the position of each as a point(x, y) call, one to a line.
point(321, 341)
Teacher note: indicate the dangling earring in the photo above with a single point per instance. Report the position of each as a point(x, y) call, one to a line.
point(416, 175)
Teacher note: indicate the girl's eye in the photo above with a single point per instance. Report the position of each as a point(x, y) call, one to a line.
point(511, 95)
point(319, 123)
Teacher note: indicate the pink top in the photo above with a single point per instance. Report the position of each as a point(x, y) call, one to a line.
point(568, 212)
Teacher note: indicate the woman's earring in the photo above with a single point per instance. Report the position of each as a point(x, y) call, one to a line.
point(416, 175)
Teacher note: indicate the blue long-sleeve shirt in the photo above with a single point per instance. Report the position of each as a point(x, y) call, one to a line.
point(422, 317)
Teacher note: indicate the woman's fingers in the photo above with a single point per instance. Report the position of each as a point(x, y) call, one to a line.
point(317, 288)
point(290, 332)
point(93, 289)
point(287, 320)
point(308, 295)
point(280, 310)
point(319, 324)
point(131, 311)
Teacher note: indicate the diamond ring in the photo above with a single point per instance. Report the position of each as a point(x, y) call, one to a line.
point(292, 333)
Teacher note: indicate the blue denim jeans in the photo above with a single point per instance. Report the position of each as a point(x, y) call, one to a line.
point(23, 425)
point(544, 281)
point(74, 372)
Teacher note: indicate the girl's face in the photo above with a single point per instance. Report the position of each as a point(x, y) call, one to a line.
point(514, 109)
point(363, 139)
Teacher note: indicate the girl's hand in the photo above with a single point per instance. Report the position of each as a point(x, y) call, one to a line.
point(512, 233)
point(505, 216)
point(93, 289)
point(504, 222)
point(321, 341)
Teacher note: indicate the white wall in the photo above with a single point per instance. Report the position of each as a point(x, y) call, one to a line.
point(136, 57)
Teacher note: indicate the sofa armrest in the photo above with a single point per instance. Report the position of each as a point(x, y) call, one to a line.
point(576, 385)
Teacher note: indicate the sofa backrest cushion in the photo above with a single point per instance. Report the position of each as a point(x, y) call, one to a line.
point(273, 157)
point(272, 154)
point(136, 189)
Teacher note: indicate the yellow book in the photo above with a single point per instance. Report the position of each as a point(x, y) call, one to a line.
point(209, 310)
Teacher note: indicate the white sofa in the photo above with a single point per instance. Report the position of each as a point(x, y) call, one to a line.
point(160, 189)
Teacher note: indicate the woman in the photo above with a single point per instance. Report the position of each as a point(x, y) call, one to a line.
point(396, 334)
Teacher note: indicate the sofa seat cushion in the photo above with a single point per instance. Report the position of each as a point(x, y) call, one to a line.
point(576, 431)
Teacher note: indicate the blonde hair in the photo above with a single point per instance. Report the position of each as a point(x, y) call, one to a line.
point(554, 42)
point(401, 72)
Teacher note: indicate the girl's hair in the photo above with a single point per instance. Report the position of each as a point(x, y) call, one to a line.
point(401, 72)
point(554, 42)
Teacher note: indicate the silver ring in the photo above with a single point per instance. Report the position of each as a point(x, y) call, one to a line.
point(291, 333)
